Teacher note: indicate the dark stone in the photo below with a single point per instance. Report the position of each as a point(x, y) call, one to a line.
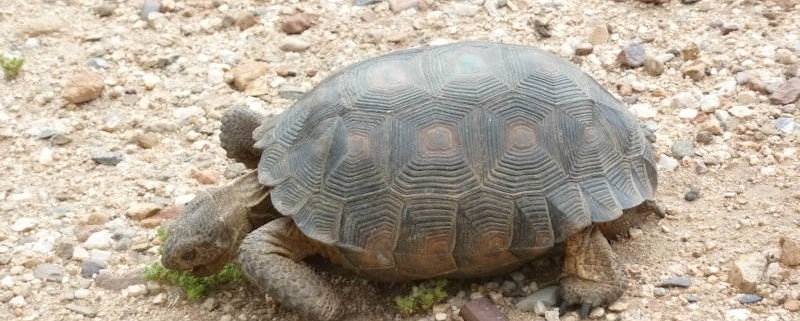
point(90, 268)
point(108, 158)
point(366, 2)
point(750, 298)
point(692, 195)
point(481, 310)
point(679, 282)
point(704, 137)
point(682, 148)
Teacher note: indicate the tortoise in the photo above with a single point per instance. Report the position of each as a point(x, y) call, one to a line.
point(461, 160)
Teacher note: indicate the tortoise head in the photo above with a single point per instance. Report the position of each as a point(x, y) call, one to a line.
point(204, 237)
point(208, 232)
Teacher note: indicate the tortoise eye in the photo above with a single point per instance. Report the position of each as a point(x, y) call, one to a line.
point(189, 255)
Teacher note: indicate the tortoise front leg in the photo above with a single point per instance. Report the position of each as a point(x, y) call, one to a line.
point(594, 276)
point(270, 257)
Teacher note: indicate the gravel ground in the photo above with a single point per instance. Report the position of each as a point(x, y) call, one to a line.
point(114, 120)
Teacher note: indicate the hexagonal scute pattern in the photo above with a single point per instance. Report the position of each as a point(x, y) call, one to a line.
point(454, 160)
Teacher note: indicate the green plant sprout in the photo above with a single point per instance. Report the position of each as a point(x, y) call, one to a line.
point(422, 297)
point(195, 287)
point(11, 66)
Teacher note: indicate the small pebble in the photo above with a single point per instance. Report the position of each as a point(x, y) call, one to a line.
point(667, 163)
point(49, 272)
point(597, 313)
point(147, 140)
point(100, 240)
point(681, 282)
point(298, 23)
point(108, 158)
point(136, 290)
point(792, 305)
point(691, 51)
point(402, 5)
point(82, 293)
point(750, 298)
point(691, 298)
point(481, 310)
point(618, 306)
point(704, 137)
point(659, 291)
point(632, 55)
point(682, 149)
point(90, 268)
point(692, 194)
point(83, 88)
point(24, 224)
point(104, 10)
point(547, 296)
point(82, 309)
point(148, 7)
point(17, 301)
point(653, 66)
point(584, 49)
point(294, 44)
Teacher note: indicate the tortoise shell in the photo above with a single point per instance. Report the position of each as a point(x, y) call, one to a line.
point(454, 160)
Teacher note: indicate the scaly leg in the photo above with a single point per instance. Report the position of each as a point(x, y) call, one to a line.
point(595, 277)
point(270, 257)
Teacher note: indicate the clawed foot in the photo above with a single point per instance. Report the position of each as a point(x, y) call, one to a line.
point(586, 294)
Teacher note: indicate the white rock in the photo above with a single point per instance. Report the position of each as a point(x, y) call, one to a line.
point(7, 282)
point(688, 113)
point(728, 87)
point(150, 81)
point(551, 315)
point(685, 100)
point(80, 254)
point(216, 73)
point(100, 240)
point(597, 313)
point(17, 301)
point(643, 111)
point(441, 316)
point(82, 293)
point(135, 290)
point(768, 170)
point(709, 103)
point(667, 163)
point(24, 224)
point(618, 306)
point(737, 315)
point(45, 155)
point(741, 111)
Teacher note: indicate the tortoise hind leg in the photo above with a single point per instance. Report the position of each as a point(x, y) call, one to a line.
point(630, 218)
point(595, 277)
point(238, 124)
point(270, 257)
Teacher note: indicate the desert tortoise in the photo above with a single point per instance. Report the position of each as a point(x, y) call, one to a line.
point(459, 160)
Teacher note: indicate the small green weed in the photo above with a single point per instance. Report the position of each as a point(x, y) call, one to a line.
point(422, 297)
point(11, 66)
point(195, 287)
